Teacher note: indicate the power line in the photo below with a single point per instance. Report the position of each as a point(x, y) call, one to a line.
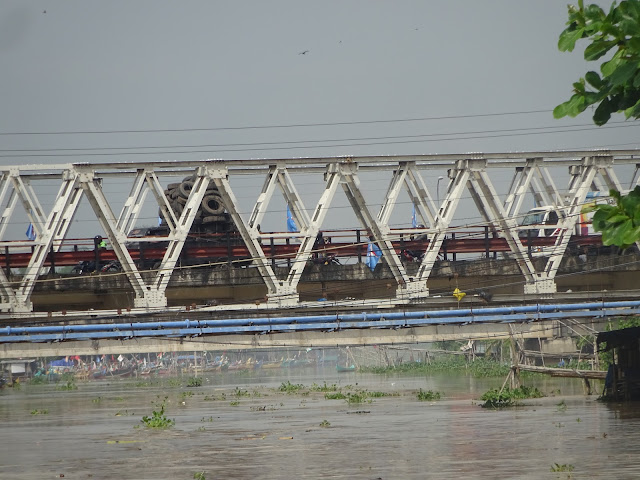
point(293, 142)
point(108, 154)
point(292, 125)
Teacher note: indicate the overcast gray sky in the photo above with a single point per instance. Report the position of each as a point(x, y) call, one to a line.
point(147, 65)
point(79, 66)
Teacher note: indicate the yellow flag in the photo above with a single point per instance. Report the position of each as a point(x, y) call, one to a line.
point(458, 294)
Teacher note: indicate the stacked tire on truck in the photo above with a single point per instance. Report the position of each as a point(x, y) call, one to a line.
point(210, 217)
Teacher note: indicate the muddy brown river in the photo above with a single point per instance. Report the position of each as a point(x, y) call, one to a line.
point(238, 426)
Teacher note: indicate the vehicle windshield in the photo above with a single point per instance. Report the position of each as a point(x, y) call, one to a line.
point(533, 219)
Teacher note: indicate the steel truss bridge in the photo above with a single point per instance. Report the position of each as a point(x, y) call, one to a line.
point(535, 175)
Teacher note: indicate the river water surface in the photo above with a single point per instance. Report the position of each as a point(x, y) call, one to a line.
point(242, 426)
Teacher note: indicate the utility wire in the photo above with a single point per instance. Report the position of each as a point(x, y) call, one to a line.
point(292, 125)
point(293, 142)
point(365, 144)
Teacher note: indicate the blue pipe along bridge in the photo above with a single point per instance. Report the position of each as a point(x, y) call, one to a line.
point(365, 328)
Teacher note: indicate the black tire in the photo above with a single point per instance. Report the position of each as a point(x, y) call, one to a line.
point(185, 188)
point(173, 186)
point(212, 204)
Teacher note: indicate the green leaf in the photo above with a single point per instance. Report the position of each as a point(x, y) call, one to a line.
point(603, 112)
point(634, 43)
point(617, 219)
point(561, 110)
point(594, 13)
point(597, 49)
point(616, 235)
point(632, 236)
point(594, 80)
point(633, 111)
point(607, 68)
point(630, 203)
point(568, 38)
point(623, 73)
point(571, 107)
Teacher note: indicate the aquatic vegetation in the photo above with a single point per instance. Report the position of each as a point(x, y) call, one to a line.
point(565, 467)
point(204, 419)
point(174, 382)
point(335, 396)
point(562, 406)
point(39, 412)
point(239, 392)
point(324, 388)
point(186, 394)
point(146, 383)
point(199, 476)
point(379, 394)
point(158, 419)
point(358, 397)
point(194, 382)
point(325, 424)
point(428, 396)
point(70, 385)
point(235, 403)
point(38, 380)
point(289, 387)
point(201, 429)
point(480, 367)
point(508, 397)
point(97, 400)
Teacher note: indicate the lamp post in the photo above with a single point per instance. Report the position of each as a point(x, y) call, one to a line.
point(438, 189)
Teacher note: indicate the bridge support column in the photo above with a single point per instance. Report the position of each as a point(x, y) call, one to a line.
point(285, 295)
point(540, 287)
point(153, 298)
point(415, 289)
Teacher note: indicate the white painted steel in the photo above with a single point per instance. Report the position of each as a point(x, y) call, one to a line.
point(471, 172)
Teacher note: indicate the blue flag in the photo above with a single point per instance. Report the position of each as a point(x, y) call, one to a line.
point(414, 219)
point(291, 223)
point(373, 256)
point(31, 232)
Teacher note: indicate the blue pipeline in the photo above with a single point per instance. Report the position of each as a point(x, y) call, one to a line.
point(188, 328)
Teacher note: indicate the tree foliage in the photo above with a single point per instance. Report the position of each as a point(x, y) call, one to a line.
point(619, 223)
point(617, 87)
